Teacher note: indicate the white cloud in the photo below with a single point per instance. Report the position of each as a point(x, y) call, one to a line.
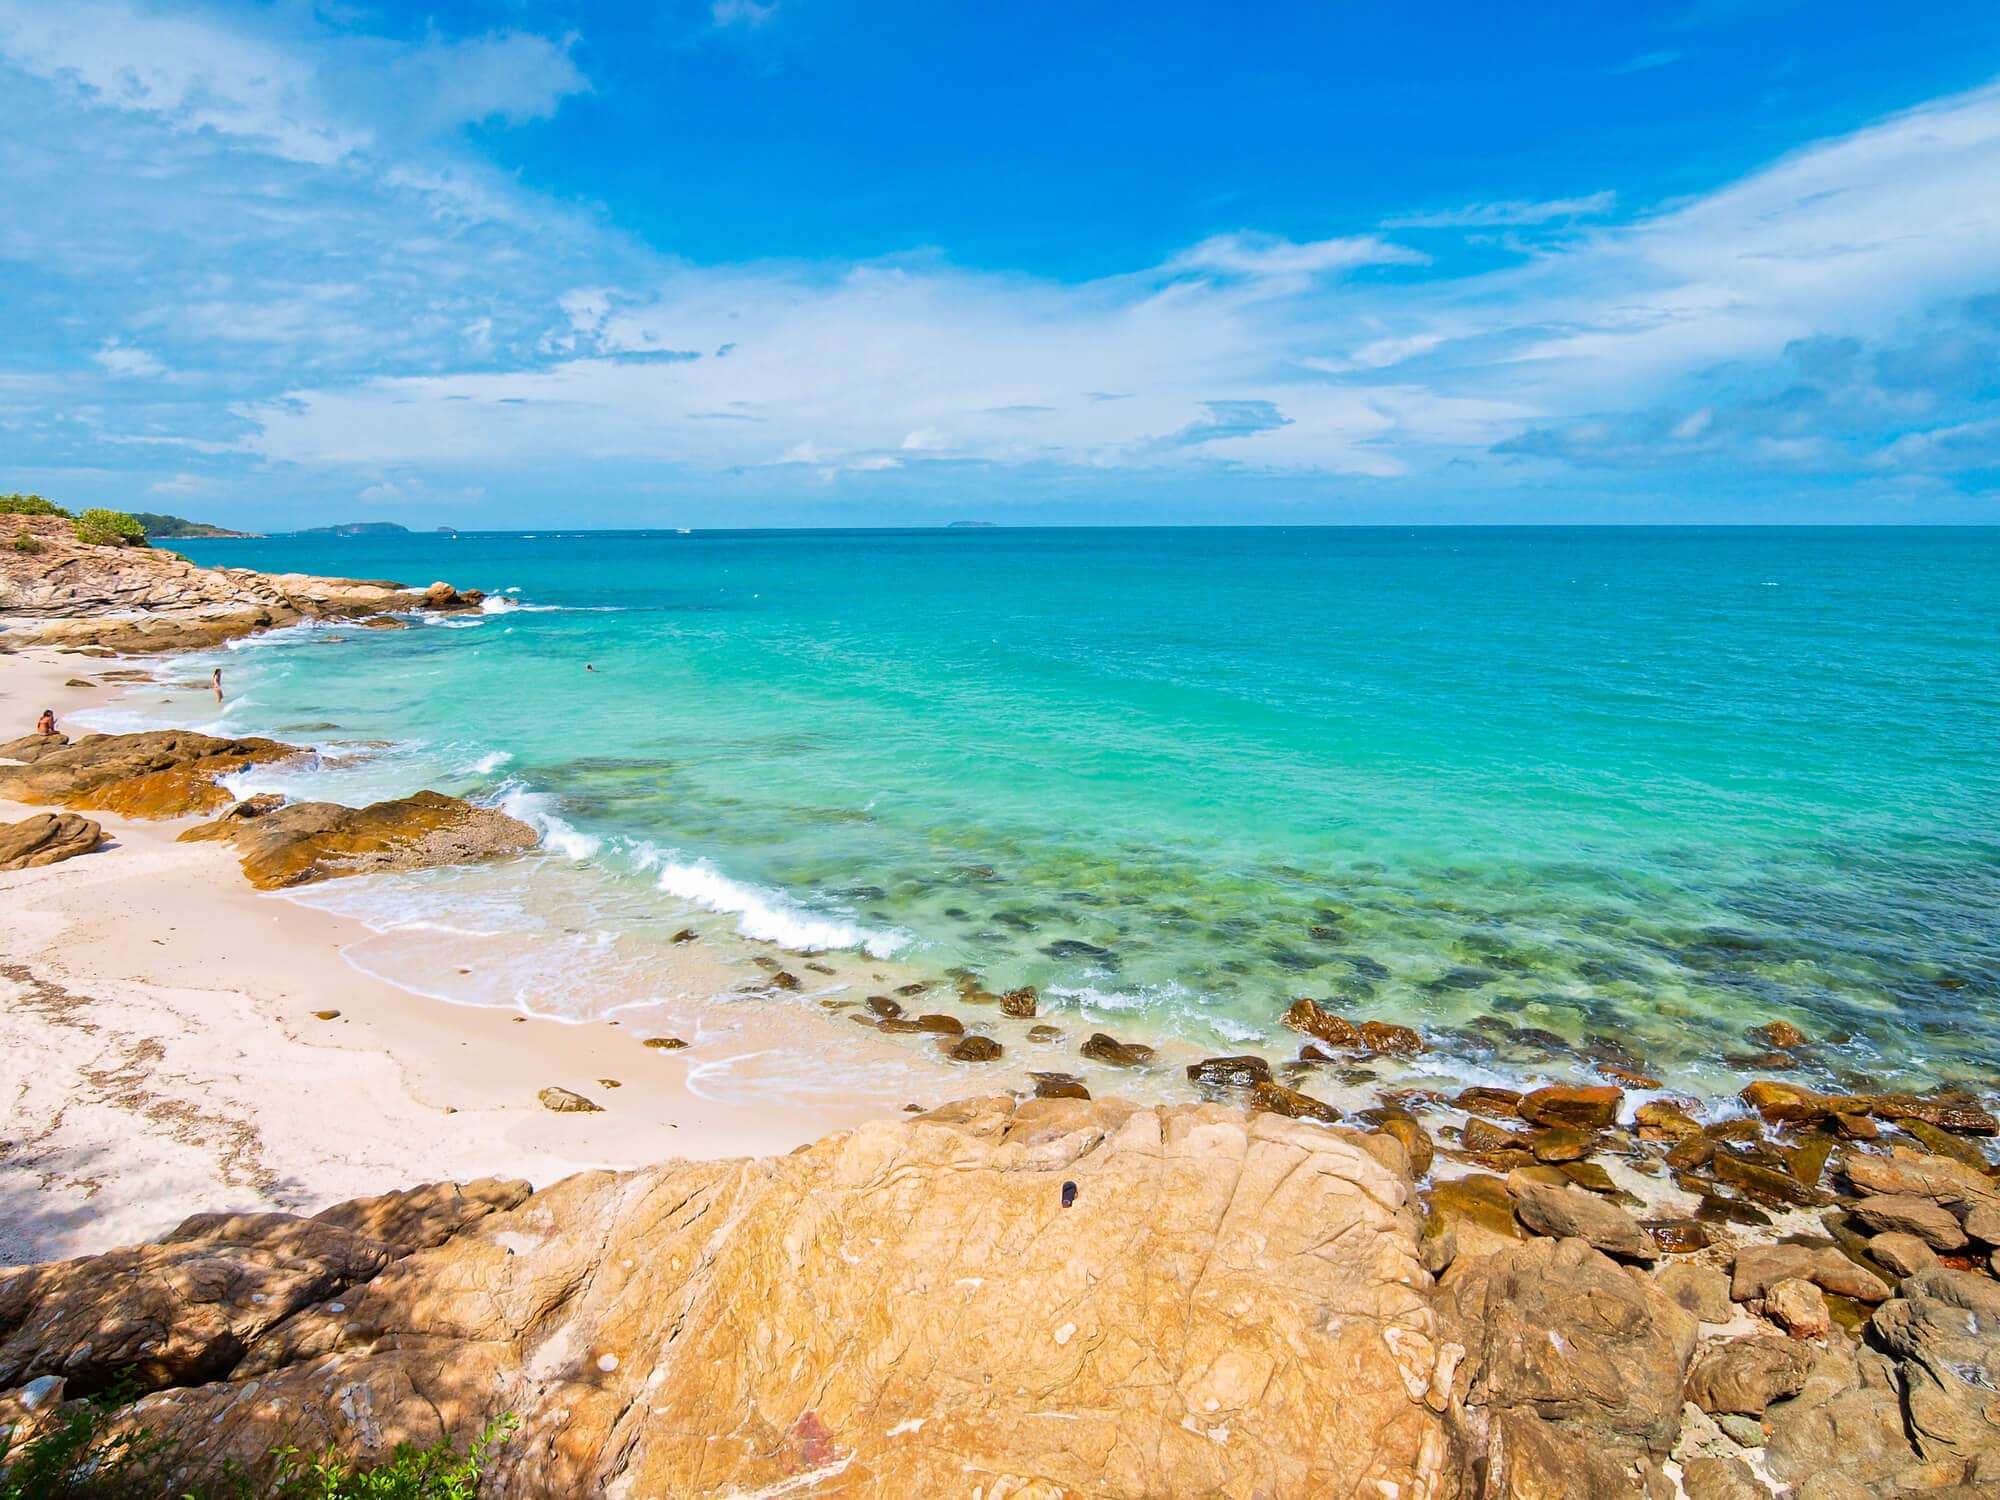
point(748, 14)
point(1513, 213)
point(122, 359)
point(1267, 255)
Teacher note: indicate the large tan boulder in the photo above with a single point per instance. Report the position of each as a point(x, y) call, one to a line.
point(1230, 1306)
point(161, 773)
point(31, 747)
point(312, 841)
point(47, 838)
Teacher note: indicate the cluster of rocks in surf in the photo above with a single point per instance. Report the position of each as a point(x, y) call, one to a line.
point(175, 773)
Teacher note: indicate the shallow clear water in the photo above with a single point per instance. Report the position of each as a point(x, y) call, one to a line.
point(1629, 789)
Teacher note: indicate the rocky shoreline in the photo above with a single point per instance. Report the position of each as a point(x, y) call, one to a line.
point(1577, 1289)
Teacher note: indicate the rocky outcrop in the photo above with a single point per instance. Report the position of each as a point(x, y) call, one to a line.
point(313, 841)
point(46, 838)
point(32, 747)
point(1226, 1305)
point(1571, 1379)
point(1058, 1297)
point(141, 600)
point(164, 773)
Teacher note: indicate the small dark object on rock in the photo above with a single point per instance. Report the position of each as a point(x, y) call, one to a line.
point(1069, 1194)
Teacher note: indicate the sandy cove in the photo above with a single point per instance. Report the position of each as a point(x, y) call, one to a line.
point(160, 1056)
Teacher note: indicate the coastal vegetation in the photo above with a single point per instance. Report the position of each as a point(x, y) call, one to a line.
point(86, 1455)
point(98, 527)
point(18, 504)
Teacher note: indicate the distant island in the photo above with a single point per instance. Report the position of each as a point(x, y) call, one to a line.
point(159, 527)
point(973, 526)
point(355, 528)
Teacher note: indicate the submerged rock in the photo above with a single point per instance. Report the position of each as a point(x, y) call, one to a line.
point(564, 1102)
point(1230, 1072)
point(313, 841)
point(1585, 1107)
point(1104, 1048)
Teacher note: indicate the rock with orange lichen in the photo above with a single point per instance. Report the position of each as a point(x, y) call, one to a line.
point(161, 773)
point(313, 841)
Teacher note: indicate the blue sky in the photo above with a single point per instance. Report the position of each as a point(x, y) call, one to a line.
point(817, 262)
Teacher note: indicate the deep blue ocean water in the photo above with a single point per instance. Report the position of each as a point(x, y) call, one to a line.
point(1625, 791)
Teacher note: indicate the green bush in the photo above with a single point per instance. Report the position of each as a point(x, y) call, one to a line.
point(26, 541)
point(80, 1458)
point(108, 528)
point(29, 505)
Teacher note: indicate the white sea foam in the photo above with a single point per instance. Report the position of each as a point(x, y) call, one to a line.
point(488, 763)
point(537, 810)
point(763, 914)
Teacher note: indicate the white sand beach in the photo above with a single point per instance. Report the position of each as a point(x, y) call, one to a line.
point(160, 1052)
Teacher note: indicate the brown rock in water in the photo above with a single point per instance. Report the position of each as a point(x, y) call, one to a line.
point(1588, 1107)
point(1567, 1213)
point(1229, 1072)
point(939, 1024)
point(1562, 1143)
point(1807, 1160)
point(1045, 1034)
point(1416, 1140)
point(606, 1313)
point(313, 841)
point(1275, 1098)
point(1502, 1104)
point(1745, 1376)
point(1853, 1127)
point(1777, 1101)
point(1059, 1086)
point(1020, 1004)
point(1386, 1036)
point(884, 1007)
point(1626, 1077)
point(47, 839)
point(32, 747)
point(384, 622)
point(971, 1048)
point(1677, 1236)
point(1960, 1115)
point(1314, 1020)
point(1106, 1049)
point(1944, 1143)
point(1909, 1214)
point(1798, 1307)
point(1578, 1366)
point(563, 1102)
point(1766, 1184)
point(664, 1043)
point(163, 773)
point(1659, 1120)
point(1478, 1136)
point(178, 1312)
point(1782, 1035)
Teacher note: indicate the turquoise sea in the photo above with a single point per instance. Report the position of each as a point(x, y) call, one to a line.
point(1551, 795)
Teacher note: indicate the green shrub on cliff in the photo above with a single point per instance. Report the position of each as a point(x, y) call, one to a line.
point(29, 505)
point(81, 1458)
point(26, 541)
point(109, 528)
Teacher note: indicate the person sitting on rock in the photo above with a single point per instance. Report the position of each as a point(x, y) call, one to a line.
point(46, 724)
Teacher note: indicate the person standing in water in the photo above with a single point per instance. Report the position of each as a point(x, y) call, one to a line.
point(216, 683)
